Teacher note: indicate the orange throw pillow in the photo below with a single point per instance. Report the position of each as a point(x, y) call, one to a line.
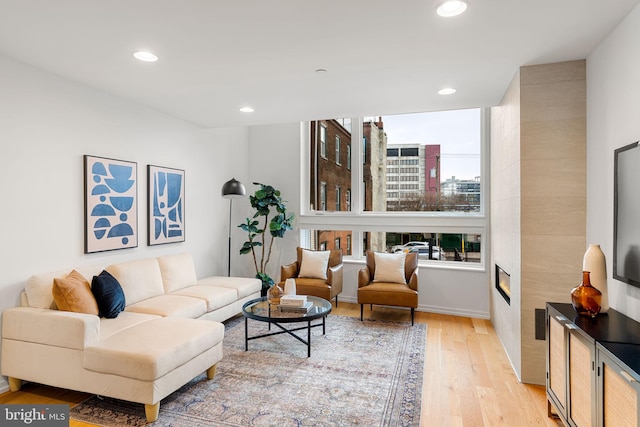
point(73, 293)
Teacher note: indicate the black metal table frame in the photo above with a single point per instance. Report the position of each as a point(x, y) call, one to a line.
point(276, 321)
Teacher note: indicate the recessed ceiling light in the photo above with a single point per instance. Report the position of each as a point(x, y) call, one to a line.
point(247, 109)
point(446, 91)
point(452, 8)
point(145, 56)
point(321, 71)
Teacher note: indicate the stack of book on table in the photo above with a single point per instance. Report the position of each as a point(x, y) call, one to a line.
point(295, 304)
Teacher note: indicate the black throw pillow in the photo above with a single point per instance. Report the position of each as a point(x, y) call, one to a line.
point(108, 294)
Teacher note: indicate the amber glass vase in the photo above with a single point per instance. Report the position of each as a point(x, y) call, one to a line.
point(585, 298)
point(274, 293)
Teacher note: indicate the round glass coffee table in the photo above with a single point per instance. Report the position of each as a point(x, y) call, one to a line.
point(259, 309)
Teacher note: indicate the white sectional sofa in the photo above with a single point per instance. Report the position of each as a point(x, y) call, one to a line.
point(169, 332)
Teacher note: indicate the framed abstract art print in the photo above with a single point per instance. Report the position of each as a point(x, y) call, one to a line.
point(110, 204)
point(165, 205)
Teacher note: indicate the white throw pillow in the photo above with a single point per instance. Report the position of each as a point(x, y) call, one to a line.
point(390, 268)
point(314, 264)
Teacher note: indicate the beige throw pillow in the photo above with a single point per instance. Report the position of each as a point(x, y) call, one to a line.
point(390, 268)
point(73, 293)
point(314, 264)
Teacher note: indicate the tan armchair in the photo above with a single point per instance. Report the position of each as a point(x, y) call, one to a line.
point(328, 288)
point(389, 293)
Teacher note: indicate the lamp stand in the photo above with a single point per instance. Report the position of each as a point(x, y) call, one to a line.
point(229, 258)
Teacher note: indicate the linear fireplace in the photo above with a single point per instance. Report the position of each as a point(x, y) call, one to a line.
point(503, 284)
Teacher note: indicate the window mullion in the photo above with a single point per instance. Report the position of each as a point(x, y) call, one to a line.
point(357, 176)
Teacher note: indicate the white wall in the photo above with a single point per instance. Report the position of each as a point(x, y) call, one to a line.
point(47, 124)
point(613, 112)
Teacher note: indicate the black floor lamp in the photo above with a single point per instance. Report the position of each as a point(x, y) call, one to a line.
point(232, 189)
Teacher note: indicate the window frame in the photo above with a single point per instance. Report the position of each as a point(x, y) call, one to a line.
point(360, 221)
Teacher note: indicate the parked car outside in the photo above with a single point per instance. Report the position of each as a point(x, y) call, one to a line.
point(423, 252)
point(407, 246)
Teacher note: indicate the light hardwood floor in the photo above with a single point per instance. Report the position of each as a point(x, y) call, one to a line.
point(468, 380)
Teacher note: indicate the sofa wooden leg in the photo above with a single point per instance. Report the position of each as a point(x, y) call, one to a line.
point(152, 411)
point(336, 300)
point(15, 384)
point(361, 312)
point(413, 310)
point(211, 372)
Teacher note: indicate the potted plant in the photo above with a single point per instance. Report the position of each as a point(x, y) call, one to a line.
point(275, 221)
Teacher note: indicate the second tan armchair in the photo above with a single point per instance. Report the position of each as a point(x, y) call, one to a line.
point(379, 289)
point(328, 288)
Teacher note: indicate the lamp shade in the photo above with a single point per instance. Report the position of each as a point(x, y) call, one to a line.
point(233, 189)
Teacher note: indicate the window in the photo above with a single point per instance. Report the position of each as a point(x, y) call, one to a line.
point(428, 246)
point(324, 240)
point(426, 181)
point(327, 136)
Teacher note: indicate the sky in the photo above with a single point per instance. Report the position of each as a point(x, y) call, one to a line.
point(457, 132)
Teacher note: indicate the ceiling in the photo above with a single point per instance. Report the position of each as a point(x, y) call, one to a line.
point(381, 56)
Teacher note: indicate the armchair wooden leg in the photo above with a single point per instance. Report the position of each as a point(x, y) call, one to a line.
point(412, 313)
point(336, 300)
point(361, 311)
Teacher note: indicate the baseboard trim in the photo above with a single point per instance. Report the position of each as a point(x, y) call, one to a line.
point(4, 385)
point(435, 309)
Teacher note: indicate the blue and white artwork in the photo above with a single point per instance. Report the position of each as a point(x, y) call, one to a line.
point(111, 204)
point(166, 205)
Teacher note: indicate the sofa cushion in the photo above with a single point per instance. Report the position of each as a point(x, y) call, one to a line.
point(108, 294)
point(139, 279)
point(177, 271)
point(171, 305)
point(39, 287)
point(244, 286)
point(152, 349)
point(214, 296)
point(124, 320)
point(73, 293)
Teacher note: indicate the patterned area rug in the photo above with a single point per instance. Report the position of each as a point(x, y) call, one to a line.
point(359, 374)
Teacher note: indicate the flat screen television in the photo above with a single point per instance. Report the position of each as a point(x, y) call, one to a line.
point(626, 214)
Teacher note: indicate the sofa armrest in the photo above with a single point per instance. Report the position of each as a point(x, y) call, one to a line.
point(289, 271)
point(334, 278)
point(413, 281)
point(50, 327)
point(364, 277)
